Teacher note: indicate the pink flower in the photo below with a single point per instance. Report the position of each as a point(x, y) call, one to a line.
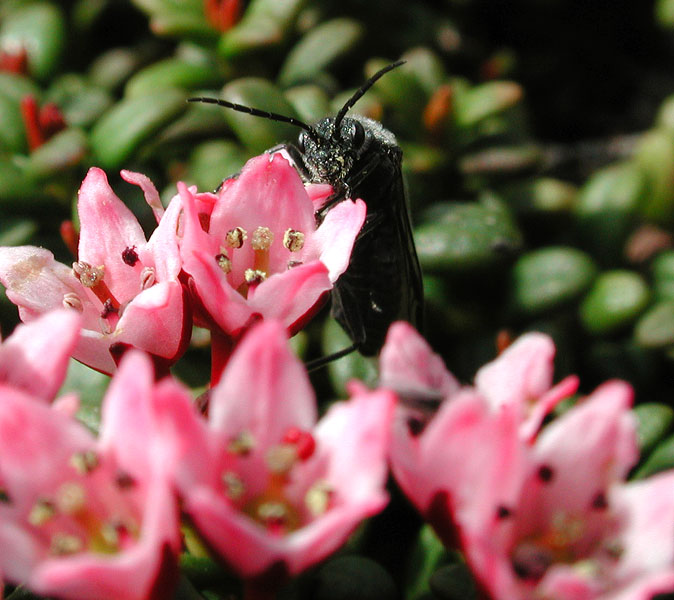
point(35, 357)
point(520, 377)
point(538, 513)
point(575, 530)
point(81, 518)
point(267, 488)
point(126, 288)
point(253, 249)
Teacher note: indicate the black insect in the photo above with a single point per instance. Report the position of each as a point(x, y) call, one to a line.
point(361, 159)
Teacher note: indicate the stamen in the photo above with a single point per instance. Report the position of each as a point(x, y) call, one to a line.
point(72, 300)
point(4, 497)
point(108, 309)
point(234, 485)
point(242, 444)
point(254, 276)
point(110, 535)
point(148, 278)
point(224, 262)
point(261, 242)
point(293, 240)
point(318, 498)
point(84, 462)
point(272, 514)
point(130, 256)
point(42, 511)
point(63, 543)
point(88, 276)
point(280, 459)
point(262, 238)
point(234, 238)
point(71, 498)
point(294, 263)
point(92, 278)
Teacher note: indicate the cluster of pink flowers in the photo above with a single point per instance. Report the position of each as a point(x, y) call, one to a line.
point(539, 510)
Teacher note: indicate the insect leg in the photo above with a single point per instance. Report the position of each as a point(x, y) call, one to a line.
point(295, 156)
point(317, 363)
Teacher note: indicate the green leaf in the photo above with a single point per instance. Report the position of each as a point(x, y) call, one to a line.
point(661, 459)
point(485, 100)
point(90, 386)
point(662, 268)
point(40, 28)
point(16, 232)
point(607, 205)
point(654, 421)
point(464, 236)
point(213, 161)
point(173, 73)
point(63, 151)
point(549, 278)
point(614, 301)
point(427, 555)
point(320, 47)
point(655, 329)
point(256, 133)
point(265, 23)
point(128, 124)
point(352, 366)
point(12, 128)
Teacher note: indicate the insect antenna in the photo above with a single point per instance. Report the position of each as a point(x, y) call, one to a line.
point(256, 112)
point(362, 90)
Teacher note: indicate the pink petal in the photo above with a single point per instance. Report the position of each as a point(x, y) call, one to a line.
point(126, 417)
point(318, 193)
point(648, 509)
point(107, 228)
point(523, 372)
point(154, 321)
point(149, 191)
point(162, 249)
point(335, 237)
point(35, 282)
point(198, 250)
point(409, 366)
point(354, 436)
point(267, 189)
point(588, 448)
point(35, 357)
point(130, 575)
point(265, 389)
point(289, 295)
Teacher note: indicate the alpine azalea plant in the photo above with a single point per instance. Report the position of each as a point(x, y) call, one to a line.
point(81, 518)
point(537, 503)
point(126, 288)
point(538, 513)
point(253, 249)
point(269, 489)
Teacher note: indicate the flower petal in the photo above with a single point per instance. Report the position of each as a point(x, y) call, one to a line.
point(35, 357)
point(264, 390)
point(107, 228)
point(335, 238)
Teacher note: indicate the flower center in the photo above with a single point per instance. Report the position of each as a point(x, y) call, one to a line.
point(277, 508)
point(74, 518)
point(261, 241)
